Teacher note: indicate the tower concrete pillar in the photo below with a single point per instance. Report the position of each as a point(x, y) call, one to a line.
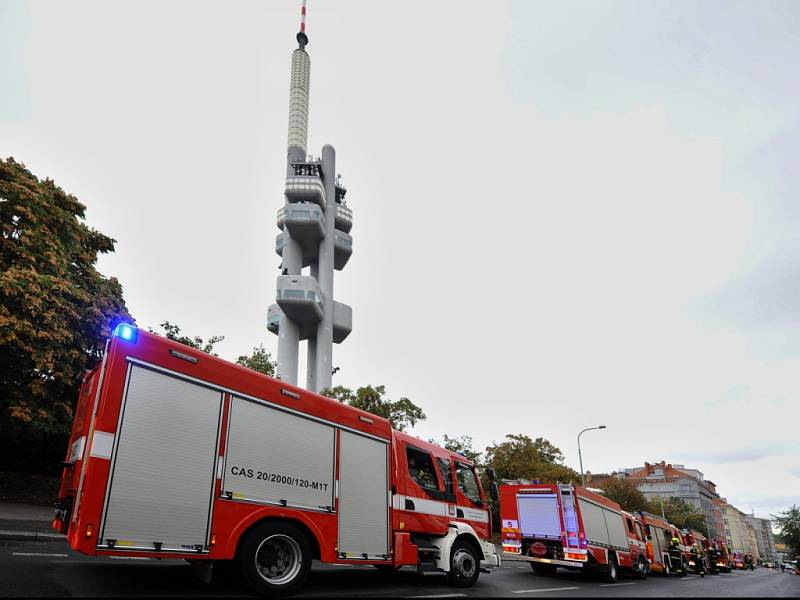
point(324, 347)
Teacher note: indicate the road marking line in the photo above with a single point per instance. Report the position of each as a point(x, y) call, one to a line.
point(39, 554)
point(439, 596)
point(545, 590)
point(615, 584)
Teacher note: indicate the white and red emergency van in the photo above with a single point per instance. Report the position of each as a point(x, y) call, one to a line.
point(175, 453)
point(564, 525)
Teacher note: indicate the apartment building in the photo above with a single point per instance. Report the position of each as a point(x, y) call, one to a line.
point(764, 537)
point(663, 480)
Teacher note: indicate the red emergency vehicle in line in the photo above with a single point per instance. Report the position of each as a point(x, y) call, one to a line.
point(175, 453)
point(658, 533)
point(552, 525)
point(719, 557)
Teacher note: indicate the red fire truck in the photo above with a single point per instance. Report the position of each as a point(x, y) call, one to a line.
point(175, 453)
point(719, 557)
point(659, 533)
point(552, 525)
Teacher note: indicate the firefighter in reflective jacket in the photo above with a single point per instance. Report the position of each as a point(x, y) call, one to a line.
point(676, 556)
point(697, 557)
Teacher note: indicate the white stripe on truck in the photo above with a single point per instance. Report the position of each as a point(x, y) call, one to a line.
point(436, 508)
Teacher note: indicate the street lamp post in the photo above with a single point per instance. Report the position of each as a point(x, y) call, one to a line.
point(580, 458)
point(660, 499)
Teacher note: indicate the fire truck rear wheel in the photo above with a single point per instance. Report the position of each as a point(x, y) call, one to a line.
point(274, 559)
point(612, 571)
point(464, 564)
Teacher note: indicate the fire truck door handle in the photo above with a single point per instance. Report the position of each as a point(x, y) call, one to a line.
point(410, 505)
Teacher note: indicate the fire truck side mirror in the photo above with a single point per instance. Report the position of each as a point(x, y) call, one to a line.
point(493, 490)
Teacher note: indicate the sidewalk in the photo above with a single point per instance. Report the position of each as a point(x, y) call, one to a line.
point(27, 522)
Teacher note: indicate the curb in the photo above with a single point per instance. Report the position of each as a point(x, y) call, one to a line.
point(30, 536)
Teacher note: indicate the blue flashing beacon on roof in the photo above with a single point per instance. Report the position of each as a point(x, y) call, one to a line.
point(126, 332)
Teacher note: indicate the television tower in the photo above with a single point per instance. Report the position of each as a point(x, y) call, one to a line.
point(315, 223)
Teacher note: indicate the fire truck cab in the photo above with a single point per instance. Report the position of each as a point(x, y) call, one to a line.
point(175, 453)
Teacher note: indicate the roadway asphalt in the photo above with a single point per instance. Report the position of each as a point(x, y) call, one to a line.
point(48, 569)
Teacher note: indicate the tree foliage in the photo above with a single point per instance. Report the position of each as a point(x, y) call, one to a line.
point(520, 457)
point(260, 360)
point(173, 332)
point(56, 309)
point(625, 493)
point(788, 524)
point(463, 445)
point(401, 413)
point(681, 514)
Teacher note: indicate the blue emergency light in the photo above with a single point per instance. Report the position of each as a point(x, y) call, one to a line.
point(126, 332)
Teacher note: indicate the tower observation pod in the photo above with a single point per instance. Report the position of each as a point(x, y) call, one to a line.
point(314, 241)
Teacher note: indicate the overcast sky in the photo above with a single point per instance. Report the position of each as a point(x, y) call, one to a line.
point(566, 213)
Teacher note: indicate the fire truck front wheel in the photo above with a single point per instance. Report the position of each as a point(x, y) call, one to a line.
point(274, 558)
point(464, 564)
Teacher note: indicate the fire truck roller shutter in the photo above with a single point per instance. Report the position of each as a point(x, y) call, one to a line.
point(363, 497)
point(538, 516)
point(277, 457)
point(162, 470)
point(603, 526)
point(656, 538)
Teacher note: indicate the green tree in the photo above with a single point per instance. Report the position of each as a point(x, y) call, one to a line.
point(626, 494)
point(521, 457)
point(681, 514)
point(401, 413)
point(463, 445)
point(260, 360)
point(173, 332)
point(56, 311)
point(788, 524)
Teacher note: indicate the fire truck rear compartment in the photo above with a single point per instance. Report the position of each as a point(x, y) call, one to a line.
point(160, 487)
point(164, 464)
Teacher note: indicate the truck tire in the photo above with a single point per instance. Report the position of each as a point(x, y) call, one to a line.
point(544, 569)
point(612, 571)
point(641, 568)
point(465, 564)
point(667, 567)
point(274, 559)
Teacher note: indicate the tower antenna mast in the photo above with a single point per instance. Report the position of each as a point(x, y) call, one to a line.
point(302, 38)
